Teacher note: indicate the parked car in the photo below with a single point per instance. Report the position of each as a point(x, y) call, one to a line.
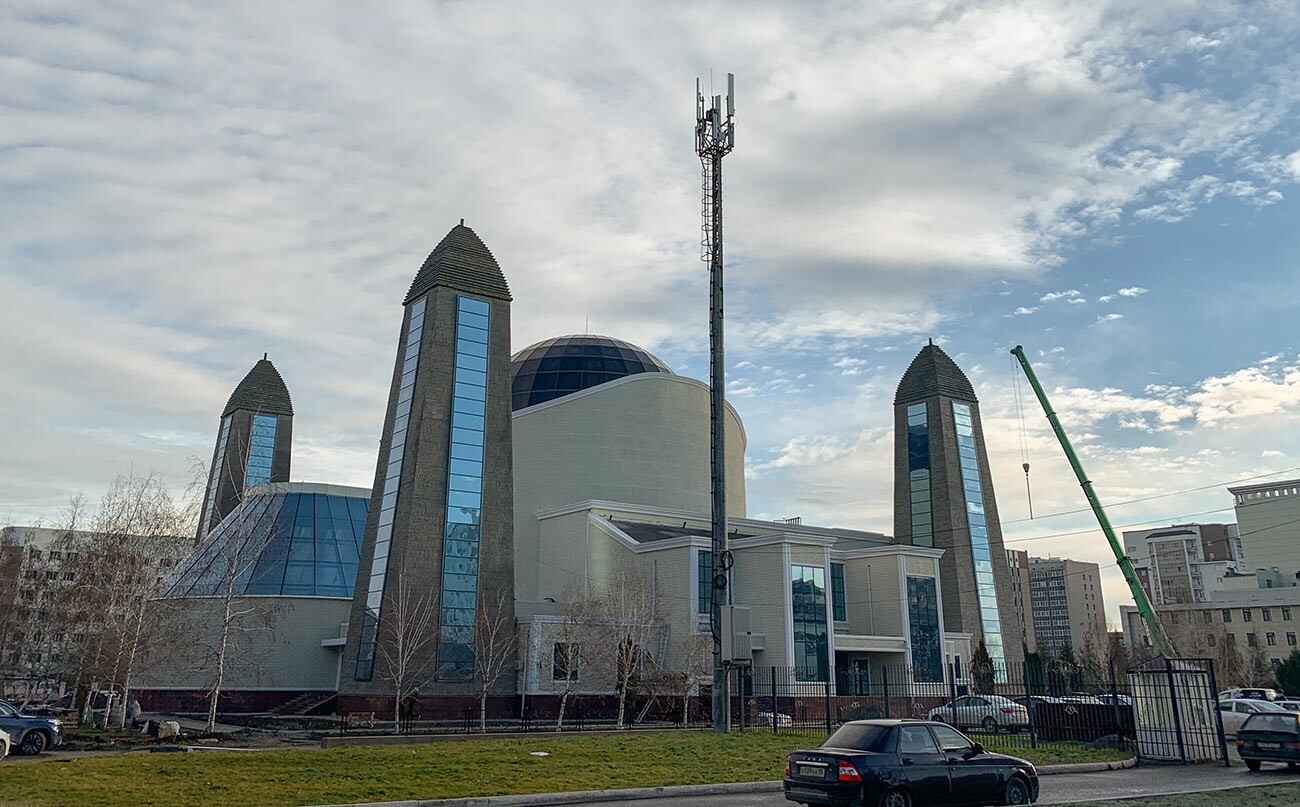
point(5, 742)
point(1289, 705)
point(988, 712)
point(1251, 693)
point(782, 719)
point(906, 763)
point(1083, 697)
point(1117, 699)
point(30, 733)
point(1271, 737)
point(1236, 710)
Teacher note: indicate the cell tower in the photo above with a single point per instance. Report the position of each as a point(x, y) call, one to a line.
point(714, 138)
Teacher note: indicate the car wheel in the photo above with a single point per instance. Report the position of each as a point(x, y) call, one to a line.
point(990, 725)
point(896, 798)
point(1253, 764)
point(1017, 791)
point(33, 743)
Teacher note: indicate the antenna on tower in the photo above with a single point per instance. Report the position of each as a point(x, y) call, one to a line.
point(715, 136)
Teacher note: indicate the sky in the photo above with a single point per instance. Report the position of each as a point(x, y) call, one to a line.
point(1116, 186)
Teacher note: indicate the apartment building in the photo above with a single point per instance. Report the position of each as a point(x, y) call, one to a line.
point(1184, 563)
point(1067, 604)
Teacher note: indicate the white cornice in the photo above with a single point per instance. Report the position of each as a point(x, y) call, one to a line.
point(890, 550)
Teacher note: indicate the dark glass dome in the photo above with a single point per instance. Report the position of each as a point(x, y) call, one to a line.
point(568, 364)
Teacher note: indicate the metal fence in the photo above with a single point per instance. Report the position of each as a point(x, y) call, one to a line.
point(1001, 707)
point(1176, 708)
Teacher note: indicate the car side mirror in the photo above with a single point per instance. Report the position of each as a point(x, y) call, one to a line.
point(976, 749)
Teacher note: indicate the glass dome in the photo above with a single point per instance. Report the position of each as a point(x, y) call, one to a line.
point(568, 364)
point(294, 539)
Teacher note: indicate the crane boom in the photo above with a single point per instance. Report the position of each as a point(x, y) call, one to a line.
point(1149, 618)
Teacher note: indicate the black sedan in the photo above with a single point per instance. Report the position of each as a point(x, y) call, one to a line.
point(1270, 737)
point(906, 763)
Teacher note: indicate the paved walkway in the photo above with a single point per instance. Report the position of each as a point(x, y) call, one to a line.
point(1062, 789)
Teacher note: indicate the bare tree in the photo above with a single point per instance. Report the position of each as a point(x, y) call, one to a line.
point(696, 669)
point(405, 638)
point(574, 638)
point(494, 643)
point(632, 625)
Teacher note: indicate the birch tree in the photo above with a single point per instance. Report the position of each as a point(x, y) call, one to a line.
point(574, 637)
point(494, 642)
point(631, 609)
point(406, 638)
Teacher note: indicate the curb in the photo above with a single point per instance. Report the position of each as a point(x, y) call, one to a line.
point(1088, 767)
point(640, 793)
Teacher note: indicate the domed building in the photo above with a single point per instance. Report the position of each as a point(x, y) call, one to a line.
point(287, 554)
point(564, 365)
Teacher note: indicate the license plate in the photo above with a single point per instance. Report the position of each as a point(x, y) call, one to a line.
point(811, 771)
point(1269, 745)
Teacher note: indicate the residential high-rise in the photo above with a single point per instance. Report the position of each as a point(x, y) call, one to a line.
point(1183, 563)
point(253, 442)
point(1068, 605)
point(1268, 515)
point(943, 498)
point(439, 531)
point(1018, 561)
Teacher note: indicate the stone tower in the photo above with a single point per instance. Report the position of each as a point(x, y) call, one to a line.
point(943, 498)
point(440, 528)
point(253, 442)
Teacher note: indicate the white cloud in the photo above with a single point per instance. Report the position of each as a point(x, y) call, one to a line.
point(1078, 301)
point(1052, 296)
point(1025, 310)
point(849, 366)
point(1106, 298)
point(1132, 291)
point(1110, 317)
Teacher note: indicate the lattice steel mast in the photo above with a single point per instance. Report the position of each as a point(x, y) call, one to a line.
point(714, 138)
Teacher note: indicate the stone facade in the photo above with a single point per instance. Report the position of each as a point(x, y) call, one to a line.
point(459, 266)
point(933, 379)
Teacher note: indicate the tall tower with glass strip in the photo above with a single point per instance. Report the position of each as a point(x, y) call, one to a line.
point(943, 498)
point(439, 535)
point(253, 442)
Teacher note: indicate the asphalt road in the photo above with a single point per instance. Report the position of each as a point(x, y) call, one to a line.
point(1062, 789)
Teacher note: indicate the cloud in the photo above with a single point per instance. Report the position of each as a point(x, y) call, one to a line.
point(1025, 310)
point(1052, 296)
point(1132, 291)
point(1106, 298)
point(1110, 317)
point(1078, 301)
point(849, 366)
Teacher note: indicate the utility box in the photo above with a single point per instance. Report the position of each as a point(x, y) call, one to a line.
point(737, 648)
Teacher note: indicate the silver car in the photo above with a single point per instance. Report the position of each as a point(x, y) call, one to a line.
point(1236, 710)
point(988, 712)
point(5, 742)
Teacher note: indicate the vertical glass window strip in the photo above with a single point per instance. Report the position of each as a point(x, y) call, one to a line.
point(410, 349)
point(990, 621)
point(918, 475)
point(261, 450)
point(704, 581)
point(839, 606)
point(215, 485)
point(460, 555)
point(923, 616)
point(808, 603)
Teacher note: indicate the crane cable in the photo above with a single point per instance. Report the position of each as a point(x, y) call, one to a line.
point(1024, 447)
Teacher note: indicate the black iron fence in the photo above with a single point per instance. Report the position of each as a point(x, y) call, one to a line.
point(1000, 707)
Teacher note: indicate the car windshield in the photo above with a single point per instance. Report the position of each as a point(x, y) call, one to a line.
point(1269, 721)
point(858, 737)
point(7, 710)
point(1266, 706)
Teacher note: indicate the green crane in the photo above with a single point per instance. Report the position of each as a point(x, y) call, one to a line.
point(1154, 629)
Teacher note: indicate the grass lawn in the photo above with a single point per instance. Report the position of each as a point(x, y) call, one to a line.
point(1268, 796)
point(434, 770)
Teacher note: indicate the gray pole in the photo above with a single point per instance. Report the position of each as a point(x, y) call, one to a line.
point(714, 139)
point(717, 445)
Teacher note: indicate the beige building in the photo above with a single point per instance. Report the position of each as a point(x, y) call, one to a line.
point(1267, 619)
point(1067, 604)
point(1268, 516)
point(1184, 563)
point(1018, 561)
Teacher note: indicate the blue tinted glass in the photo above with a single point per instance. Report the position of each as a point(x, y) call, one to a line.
point(465, 451)
point(467, 436)
point(472, 306)
point(473, 320)
point(471, 391)
point(465, 346)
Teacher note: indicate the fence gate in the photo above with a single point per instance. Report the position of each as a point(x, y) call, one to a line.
point(1176, 707)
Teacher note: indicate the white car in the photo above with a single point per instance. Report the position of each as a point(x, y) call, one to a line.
point(1250, 693)
point(5, 742)
point(987, 712)
point(1289, 705)
point(1236, 710)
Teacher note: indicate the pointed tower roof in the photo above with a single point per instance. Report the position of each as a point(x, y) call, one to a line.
point(463, 262)
point(262, 391)
point(933, 372)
